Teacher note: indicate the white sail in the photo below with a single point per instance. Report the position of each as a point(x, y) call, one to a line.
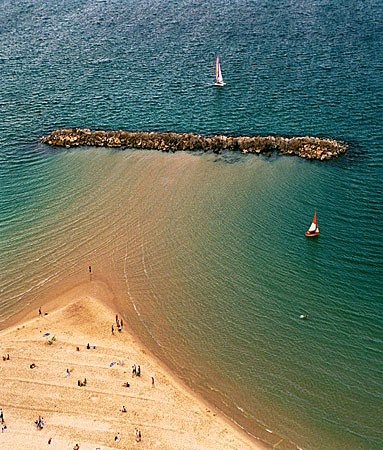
point(313, 227)
point(218, 73)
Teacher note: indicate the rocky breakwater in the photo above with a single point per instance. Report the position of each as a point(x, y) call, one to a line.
point(305, 147)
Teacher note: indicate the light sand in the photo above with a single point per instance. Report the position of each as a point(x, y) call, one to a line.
point(168, 414)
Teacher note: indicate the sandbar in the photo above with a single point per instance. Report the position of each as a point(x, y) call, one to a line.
point(168, 414)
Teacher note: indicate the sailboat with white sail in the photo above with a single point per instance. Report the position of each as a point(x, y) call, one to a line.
point(314, 229)
point(218, 74)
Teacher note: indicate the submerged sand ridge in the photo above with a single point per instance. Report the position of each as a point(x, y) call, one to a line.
point(305, 147)
point(167, 414)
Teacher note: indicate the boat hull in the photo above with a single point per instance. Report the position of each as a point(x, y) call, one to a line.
point(219, 84)
point(308, 234)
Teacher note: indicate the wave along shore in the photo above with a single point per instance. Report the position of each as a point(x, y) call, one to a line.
point(305, 147)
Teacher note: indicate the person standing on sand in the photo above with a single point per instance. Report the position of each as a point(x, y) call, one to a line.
point(152, 381)
point(1, 415)
point(118, 437)
point(90, 269)
point(40, 313)
point(112, 329)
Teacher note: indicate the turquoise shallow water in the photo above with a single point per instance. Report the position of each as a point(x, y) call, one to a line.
point(209, 252)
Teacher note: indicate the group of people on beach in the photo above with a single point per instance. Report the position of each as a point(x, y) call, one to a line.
point(119, 324)
point(81, 383)
point(41, 313)
point(136, 371)
point(137, 433)
point(40, 423)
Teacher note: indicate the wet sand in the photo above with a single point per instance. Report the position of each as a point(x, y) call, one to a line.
point(169, 415)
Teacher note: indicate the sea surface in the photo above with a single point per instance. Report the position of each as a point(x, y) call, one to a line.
point(206, 253)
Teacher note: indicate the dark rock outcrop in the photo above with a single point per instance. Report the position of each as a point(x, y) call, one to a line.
point(305, 147)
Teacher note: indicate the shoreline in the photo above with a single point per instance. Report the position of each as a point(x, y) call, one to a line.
point(81, 296)
point(305, 147)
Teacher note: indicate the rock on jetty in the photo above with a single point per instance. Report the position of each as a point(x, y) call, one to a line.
point(305, 147)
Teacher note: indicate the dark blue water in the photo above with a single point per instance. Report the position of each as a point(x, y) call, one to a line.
point(230, 236)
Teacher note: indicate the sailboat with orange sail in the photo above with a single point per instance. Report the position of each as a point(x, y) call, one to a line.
point(314, 229)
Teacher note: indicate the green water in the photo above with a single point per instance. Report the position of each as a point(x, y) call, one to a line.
point(208, 254)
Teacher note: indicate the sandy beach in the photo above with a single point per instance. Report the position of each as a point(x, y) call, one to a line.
point(35, 382)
